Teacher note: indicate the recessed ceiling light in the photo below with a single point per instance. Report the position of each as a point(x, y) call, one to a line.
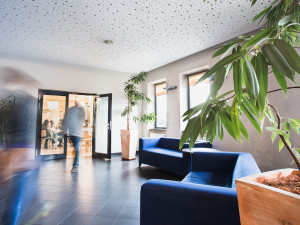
point(108, 42)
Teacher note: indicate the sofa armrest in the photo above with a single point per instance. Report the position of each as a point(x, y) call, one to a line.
point(171, 202)
point(148, 142)
point(245, 166)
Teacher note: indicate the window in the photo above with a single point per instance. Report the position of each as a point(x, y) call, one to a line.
point(160, 105)
point(197, 94)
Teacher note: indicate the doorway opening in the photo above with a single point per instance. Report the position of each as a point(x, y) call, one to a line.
point(96, 139)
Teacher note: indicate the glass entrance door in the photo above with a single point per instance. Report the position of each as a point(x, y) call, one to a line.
point(102, 127)
point(86, 146)
point(50, 140)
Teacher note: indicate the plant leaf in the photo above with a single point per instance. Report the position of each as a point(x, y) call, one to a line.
point(235, 118)
point(224, 95)
point(187, 132)
point(280, 144)
point(250, 105)
point(224, 62)
point(294, 126)
point(275, 58)
point(276, 130)
point(288, 18)
point(296, 122)
point(244, 131)
point(273, 136)
point(262, 13)
point(218, 81)
point(264, 71)
point(192, 111)
point(224, 50)
point(252, 83)
point(227, 124)
point(253, 2)
point(261, 96)
point(280, 79)
point(257, 38)
point(289, 53)
point(251, 118)
point(237, 81)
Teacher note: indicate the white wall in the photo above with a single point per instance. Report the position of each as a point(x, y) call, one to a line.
point(65, 77)
point(265, 153)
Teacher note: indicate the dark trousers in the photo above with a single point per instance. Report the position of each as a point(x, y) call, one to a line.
point(76, 143)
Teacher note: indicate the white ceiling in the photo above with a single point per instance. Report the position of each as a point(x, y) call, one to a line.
point(146, 33)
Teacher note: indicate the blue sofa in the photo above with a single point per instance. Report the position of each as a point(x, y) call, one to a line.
point(165, 154)
point(207, 195)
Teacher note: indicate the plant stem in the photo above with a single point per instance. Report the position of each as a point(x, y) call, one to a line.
point(296, 160)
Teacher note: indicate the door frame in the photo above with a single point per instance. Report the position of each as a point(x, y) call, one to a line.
point(42, 92)
point(94, 153)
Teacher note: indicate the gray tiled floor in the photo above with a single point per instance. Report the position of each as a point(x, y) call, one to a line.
point(102, 193)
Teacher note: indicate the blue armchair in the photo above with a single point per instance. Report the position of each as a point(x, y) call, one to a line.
point(165, 154)
point(207, 195)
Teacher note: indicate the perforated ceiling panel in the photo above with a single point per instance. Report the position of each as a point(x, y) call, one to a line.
point(145, 34)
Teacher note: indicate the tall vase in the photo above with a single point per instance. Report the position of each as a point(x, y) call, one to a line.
point(129, 143)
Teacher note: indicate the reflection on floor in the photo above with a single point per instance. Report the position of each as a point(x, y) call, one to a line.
point(101, 193)
point(52, 150)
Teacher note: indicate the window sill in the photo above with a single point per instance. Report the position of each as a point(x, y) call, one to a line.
point(158, 129)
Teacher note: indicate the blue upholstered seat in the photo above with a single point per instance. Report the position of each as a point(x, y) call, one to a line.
point(165, 154)
point(207, 195)
point(163, 151)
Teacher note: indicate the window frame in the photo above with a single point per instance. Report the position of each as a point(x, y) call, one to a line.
point(155, 105)
point(188, 85)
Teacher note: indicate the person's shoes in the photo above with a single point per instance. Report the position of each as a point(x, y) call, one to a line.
point(74, 169)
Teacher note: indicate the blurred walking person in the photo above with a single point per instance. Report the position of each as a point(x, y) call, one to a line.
point(17, 126)
point(72, 125)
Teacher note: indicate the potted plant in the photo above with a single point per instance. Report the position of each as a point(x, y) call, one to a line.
point(129, 136)
point(271, 52)
point(6, 108)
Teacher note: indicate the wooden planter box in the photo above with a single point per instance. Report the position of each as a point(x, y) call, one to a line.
point(129, 139)
point(260, 204)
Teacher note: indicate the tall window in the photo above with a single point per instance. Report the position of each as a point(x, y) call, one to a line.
point(160, 105)
point(197, 94)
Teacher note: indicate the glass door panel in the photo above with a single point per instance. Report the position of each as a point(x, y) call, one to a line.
point(87, 101)
point(50, 140)
point(102, 130)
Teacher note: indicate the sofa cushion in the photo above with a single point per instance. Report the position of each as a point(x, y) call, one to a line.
point(164, 152)
point(223, 179)
point(169, 143)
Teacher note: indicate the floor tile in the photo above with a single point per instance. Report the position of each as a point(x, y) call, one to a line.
point(51, 219)
point(130, 213)
point(117, 201)
point(110, 211)
point(88, 209)
point(76, 219)
point(122, 221)
point(100, 220)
